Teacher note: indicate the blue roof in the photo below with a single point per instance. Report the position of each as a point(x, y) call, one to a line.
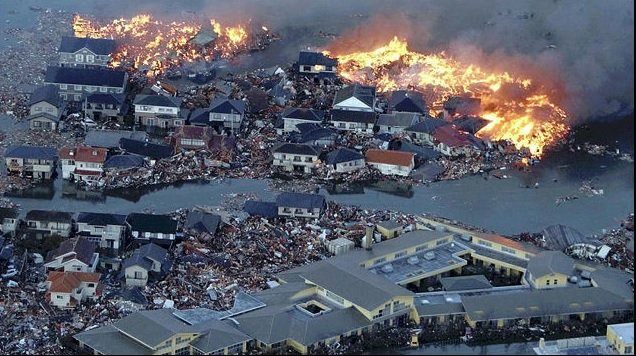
point(101, 219)
point(146, 149)
point(261, 208)
point(86, 76)
point(317, 134)
point(102, 98)
point(124, 161)
point(100, 46)
point(31, 152)
point(300, 200)
point(407, 101)
point(313, 58)
point(343, 155)
point(48, 93)
point(227, 106)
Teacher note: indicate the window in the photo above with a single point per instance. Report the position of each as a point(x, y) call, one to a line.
point(183, 351)
point(342, 125)
point(77, 87)
point(556, 281)
point(59, 297)
point(420, 248)
point(440, 242)
point(63, 86)
point(139, 275)
point(306, 68)
point(547, 282)
point(379, 260)
point(160, 235)
point(90, 58)
point(79, 58)
point(508, 250)
point(484, 243)
point(91, 285)
point(628, 350)
point(400, 254)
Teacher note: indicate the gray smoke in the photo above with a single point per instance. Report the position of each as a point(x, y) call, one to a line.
point(582, 49)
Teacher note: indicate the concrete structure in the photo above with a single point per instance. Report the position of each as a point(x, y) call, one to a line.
point(85, 52)
point(83, 163)
point(300, 205)
point(104, 230)
point(296, 157)
point(69, 289)
point(31, 161)
point(73, 83)
point(73, 255)
point(621, 338)
point(43, 223)
point(389, 229)
point(161, 331)
point(294, 116)
point(8, 220)
point(344, 160)
point(45, 108)
point(339, 246)
point(159, 111)
point(391, 162)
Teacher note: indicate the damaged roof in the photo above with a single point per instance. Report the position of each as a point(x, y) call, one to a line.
point(202, 222)
point(146, 149)
point(315, 58)
point(124, 162)
point(261, 208)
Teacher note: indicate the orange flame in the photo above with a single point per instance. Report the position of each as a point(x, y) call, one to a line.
point(145, 41)
point(534, 122)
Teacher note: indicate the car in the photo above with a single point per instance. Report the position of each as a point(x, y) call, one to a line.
point(89, 123)
point(10, 273)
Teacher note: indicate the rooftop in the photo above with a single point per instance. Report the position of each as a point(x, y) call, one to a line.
point(86, 76)
point(82, 249)
point(389, 157)
point(343, 155)
point(31, 152)
point(84, 154)
point(367, 117)
point(99, 46)
point(48, 93)
point(366, 94)
point(300, 200)
point(152, 223)
point(66, 282)
point(158, 100)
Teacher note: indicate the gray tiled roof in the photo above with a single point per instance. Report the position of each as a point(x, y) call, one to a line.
point(31, 152)
point(157, 100)
point(153, 327)
point(548, 262)
point(343, 155)
point(109, 340)
point(296, 148)
point(227, 106)
point(86, 76)
point(365, 94)
point(407, 101)
point(300, 200)
point(398, 119)
point(99, 46)
point(83, 249)
point(202, 222)
point(49, 93)
point(353, 116)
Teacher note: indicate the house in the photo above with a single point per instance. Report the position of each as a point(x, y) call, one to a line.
point(265, 209)
point(452, 142)
point(159, 111)
point(149, 260)
point(396, 123)
point(229, 113)
point(456, 106)
point(106, 106)
point(192, 137)
point(31, 161)
point(344, 160)
point(407, 101)
point(105, 230)
point(83, 163)
point(109, 139)
point(73, 83)
point(320, 136)
point(391, 162)
point(69, 289)
point(294, 116)
point(470, 124)
point(167, 331)
point(301, 205)
point(45, 108)
point(8, 221)
point(296, 157)
point(315, 63)
point(159, 229)
point(349, 120)
point(620, 338)
point(73, 255)
point(549, 269)
point(85, 52)
point(422, 132)
point(154, 151)
point(202, 223)
point(355, 97)
point(123, 162)
point(48, 222)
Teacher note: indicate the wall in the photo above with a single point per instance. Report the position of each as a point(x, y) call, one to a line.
point(390, 169)
point(349, 166)
point(68, 59)
point(540, 283)
point(130, 276)
point(43, 107)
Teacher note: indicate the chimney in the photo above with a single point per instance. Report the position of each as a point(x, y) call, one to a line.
point(367, 240)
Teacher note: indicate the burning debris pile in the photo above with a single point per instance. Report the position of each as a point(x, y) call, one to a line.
point(146, 43)
point(534, 121)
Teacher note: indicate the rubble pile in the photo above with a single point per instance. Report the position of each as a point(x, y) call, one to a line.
point(619, 240)
point(603, 150)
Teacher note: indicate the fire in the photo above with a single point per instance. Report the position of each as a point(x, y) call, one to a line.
point(147, 43)
point(533, 122)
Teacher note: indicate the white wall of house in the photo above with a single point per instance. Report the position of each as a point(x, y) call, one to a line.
point(42, 123)
point(109, 236)
point(136, 276)
point(453, 151)
point(348, 166)
point(392, 169)
point(316, 68)
point(54, 227)
point(73, 265)
point(9, 225)
point(151, 110)
point(61, 300)
point(298, 212)
point(86, 290)
point(43, 107)
point(353, 104)
point(41, 168)
point(152, 235)
point(290, 124)
point(289, 161)
point(83, 58)
point(353, 126)
point(422, 138)
point(230, 121)
point(391, 129)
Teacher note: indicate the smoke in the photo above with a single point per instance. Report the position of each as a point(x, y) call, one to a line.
point(581, 50)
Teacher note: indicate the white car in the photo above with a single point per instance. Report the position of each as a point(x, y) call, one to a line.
point(89, 123)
